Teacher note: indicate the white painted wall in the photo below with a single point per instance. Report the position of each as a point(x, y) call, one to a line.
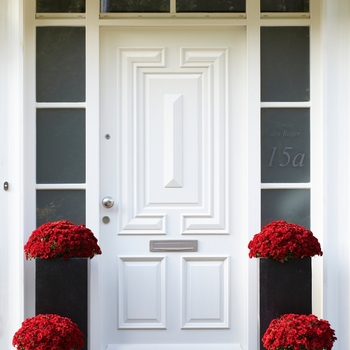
point(11, 254)
point(336, 55)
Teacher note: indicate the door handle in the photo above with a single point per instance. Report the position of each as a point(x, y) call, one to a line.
point(108, 202)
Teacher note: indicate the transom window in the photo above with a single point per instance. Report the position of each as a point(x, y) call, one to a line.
point(170, 6)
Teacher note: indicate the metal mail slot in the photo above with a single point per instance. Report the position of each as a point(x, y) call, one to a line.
point(173, 246)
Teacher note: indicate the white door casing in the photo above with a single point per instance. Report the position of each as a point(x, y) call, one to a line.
point(172, 110)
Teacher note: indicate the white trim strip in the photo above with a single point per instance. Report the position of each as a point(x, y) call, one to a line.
point(178, 22)
point(285, 104)
point(172, 6)
point(175, 347)
point(282, 186)
point(68, 22)
point(60, 15)
point(60, 105)
point(284, 15)
point(113, 15)
point(60, 187)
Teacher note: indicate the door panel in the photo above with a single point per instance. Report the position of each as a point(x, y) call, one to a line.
point(141, 292)
point(205, 292)
point(169, 99)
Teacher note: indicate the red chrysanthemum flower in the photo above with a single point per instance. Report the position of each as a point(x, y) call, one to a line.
point(282, 241)
point(48, 331)
point(61, 239)
point(299, 332)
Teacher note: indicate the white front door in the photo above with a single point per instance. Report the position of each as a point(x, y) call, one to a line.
point(172, 125)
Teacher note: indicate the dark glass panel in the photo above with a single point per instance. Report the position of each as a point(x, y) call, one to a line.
point(54, 205)
point(135, 5)
point(285, 64)
point(284, 5)
point(210, 6)
point(60, 64)
point(60, 146)
point(291, 205)
point(60, 6)
point(285, 145)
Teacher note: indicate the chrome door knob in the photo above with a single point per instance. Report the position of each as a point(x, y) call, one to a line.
point(108, 202)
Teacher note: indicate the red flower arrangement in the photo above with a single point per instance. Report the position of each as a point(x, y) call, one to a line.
point(48, 331)
point(299, 332)
point(281, 240)
point(61, 239)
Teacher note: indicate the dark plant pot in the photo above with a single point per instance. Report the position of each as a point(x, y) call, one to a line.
point(61, 287)
point(284, 288)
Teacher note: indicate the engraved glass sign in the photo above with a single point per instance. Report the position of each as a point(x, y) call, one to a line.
point(292, 205)
point(135, 5)
point(54, 205)
point(285, 145)
point(284, 5)
point(285, 64)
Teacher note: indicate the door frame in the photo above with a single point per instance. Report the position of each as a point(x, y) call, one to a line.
point(92, 22)
point(235, 39)
point(253, 191)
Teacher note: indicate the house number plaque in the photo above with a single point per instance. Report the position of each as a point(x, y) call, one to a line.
point(285, 145)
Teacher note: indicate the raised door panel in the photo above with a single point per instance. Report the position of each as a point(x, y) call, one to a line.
point(173, 120)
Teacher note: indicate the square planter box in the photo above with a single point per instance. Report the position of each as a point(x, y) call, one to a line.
point(284, 288)
point(61, 287)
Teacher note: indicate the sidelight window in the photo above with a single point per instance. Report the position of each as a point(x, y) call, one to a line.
point(285, 124)
point(60, 122)
point(60, 64)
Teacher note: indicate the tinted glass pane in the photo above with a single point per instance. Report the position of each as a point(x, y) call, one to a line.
point(284, 5)
point(290, 205)
point(135, 5)
point(53, 205)
point(60, 6)
point(210, 6)
point(60, 146)
point(285, 145)
point(285, 67)
point(60, 64)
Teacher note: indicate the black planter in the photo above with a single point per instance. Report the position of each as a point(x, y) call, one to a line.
point(61, 287)
point(284, 288)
